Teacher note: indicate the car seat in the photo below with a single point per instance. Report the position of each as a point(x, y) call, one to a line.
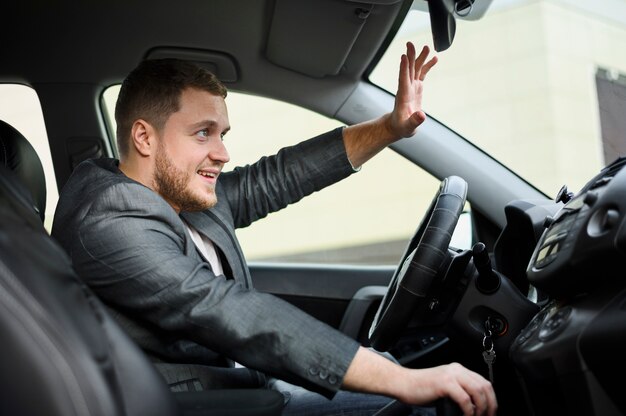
point(19, 156)
point(62, 354)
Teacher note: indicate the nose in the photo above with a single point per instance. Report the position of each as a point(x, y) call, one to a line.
point(218, 151)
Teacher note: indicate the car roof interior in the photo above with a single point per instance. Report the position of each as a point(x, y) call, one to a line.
point(243, 42)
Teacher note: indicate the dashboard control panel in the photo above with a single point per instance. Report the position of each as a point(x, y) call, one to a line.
point(581, 244)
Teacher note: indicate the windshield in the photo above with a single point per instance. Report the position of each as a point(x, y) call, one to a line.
point(539, 85)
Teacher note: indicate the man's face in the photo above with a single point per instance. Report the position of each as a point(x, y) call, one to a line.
point(191, 154)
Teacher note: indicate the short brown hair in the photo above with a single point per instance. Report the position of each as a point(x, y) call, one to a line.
point(152, 92)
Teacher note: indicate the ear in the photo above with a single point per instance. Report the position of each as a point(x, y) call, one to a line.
point(143, 137)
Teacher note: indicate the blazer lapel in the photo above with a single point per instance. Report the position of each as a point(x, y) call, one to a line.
point(210, 225)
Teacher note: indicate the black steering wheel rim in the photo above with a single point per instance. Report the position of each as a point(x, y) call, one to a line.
point(413, 279)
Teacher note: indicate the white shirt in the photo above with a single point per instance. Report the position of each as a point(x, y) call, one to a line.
point(207, 249)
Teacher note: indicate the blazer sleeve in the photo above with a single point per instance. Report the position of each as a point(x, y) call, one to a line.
point(272, 183)
point(132, 251)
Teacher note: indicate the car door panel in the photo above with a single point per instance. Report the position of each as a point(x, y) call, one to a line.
point(345, 297)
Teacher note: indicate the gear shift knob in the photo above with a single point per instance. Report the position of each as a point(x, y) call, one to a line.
point(488, 280)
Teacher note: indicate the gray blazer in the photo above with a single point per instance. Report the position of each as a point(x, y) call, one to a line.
point(132, 248)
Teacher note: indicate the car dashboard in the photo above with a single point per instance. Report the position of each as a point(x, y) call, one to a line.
point(569, 354)
point(554, 308)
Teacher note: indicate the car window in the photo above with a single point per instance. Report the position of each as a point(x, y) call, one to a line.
point(20, 107)
point(544, 94)
point(365, 219)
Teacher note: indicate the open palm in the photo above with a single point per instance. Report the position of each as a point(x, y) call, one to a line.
point(407, 114)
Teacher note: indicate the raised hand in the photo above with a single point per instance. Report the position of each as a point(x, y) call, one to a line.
point(407, 114)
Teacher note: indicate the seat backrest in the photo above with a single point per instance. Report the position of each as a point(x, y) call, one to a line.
point(62, 354)
point(19, 156)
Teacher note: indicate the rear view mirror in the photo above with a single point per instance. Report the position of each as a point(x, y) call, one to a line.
point(443, 14)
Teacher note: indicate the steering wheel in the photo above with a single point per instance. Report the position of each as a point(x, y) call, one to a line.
point(413, 280)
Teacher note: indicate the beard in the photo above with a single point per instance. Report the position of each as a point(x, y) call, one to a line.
point(173, 185)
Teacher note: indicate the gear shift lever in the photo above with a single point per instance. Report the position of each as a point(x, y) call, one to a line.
point(488, 280)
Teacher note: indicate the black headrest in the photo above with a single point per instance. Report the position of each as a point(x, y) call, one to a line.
point(17, 154)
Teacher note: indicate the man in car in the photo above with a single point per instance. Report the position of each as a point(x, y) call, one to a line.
point(153, 235)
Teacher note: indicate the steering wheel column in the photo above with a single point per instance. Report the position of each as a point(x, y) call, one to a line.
point(412, 282)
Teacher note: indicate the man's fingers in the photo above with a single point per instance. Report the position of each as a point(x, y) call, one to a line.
point(483, 396)
point(473, 393)
point(462, 399)
point(410, 53)
point(419, 62)
point(418, 118)
point(426, 68)
point(493, 403)
point(404, 76)
point(415, 68)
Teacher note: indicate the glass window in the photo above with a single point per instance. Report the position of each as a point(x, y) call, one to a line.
point(364, 219)
point(20, 107)
point(520, 83)
point(109, 97)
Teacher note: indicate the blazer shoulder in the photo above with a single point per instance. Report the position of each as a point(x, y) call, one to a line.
point(130, 197)
point(97, 189)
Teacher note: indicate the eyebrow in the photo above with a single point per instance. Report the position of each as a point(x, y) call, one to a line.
point(207, 124)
